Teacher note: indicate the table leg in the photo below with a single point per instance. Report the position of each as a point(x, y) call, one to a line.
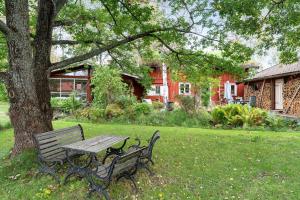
point(77, 169)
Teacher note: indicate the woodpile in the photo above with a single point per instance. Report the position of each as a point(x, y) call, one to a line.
point(291, 96)
point(263, 99)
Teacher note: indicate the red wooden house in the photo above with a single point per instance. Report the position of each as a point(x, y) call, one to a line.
point(175, 88)
point(237, 87)
point(64, 82)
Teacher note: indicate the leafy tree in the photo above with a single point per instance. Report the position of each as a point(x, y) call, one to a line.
point(93, 27)
point(108, 86)
point(274, 23)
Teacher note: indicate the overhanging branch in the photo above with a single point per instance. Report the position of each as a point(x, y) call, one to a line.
point(110, 46)
point(74, 42)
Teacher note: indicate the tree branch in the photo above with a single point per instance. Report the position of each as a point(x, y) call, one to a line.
point(110, 13)
point(4, 28)
point(110, 46)
point(59, 4)
point(74, 42)
point(58, 23)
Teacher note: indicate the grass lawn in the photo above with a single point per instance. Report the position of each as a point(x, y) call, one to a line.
point(4, 118)
point(191, 163)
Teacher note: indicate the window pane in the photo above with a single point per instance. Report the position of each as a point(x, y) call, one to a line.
point(157, 89)
point(67, 85)
point(181, 89)
point(232, 89)
point(187, 88)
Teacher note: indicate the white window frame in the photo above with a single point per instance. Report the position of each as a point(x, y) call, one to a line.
point(184, 93)
point(235, 88)
point(152, 91)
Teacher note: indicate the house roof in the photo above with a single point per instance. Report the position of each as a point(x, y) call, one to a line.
point(83, 66)
point(277, 71)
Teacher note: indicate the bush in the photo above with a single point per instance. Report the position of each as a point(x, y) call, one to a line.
point(142, 108)
point(187, 103)
point(157, 105)
point(113, 110)
point(68, 105)
point(236, 115)
point(92, 113)
point(125, 101)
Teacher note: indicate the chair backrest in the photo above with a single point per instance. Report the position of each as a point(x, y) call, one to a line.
point(154, 138)
point(49, 143)
point(121, 164)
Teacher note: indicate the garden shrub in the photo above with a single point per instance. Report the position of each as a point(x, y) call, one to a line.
point(142, 108)
point(157, 105)
point(125, 101)
point(108, 86)
point(68, 105)
point(113, 110)
point(187, 103)
point(92, 113)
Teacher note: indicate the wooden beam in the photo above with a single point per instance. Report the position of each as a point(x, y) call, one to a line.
point(272, 94)
point(261, 93)
point(291, 101)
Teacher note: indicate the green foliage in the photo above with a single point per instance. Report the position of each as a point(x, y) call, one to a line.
point(108, 86)
point(142, 109)
point(68, 105)
point(93, 113)
point(157, 105)
point(187, 103)
point(113, 110)
point(273, 23)
point(125, 101)
point(236, 115)
point(3, 93)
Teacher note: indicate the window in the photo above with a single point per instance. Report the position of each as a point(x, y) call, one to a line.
point(157, 89)
point(154, 90)
point(233, 89)
point(184, 88)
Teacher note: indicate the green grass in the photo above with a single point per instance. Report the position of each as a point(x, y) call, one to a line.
point(191, 163)
point(4, 118)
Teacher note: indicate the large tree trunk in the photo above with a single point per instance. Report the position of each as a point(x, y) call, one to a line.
point(29, 95)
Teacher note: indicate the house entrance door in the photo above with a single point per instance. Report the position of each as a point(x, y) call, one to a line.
point(279, 94)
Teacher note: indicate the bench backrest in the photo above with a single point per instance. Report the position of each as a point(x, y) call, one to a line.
point(121, 164)
point(149, 149)
point(49, 143)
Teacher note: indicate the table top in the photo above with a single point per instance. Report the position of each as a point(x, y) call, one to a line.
point(96, 144)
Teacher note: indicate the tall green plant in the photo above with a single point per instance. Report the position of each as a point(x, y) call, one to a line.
point(108, 86)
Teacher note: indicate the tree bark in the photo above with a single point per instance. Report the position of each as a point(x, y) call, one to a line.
point(29, 95)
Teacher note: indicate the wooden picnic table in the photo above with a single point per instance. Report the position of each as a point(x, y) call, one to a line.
point(92, 147)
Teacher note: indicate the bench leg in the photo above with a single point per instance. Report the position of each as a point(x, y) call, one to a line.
point(101, 191)
point(44, 169)
point(129, 177)
point(146, 166)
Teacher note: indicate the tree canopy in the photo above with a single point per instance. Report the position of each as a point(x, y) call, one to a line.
point(274, 23)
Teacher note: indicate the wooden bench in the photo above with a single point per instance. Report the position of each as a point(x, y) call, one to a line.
point(49, 148)
point(146, 156)
point(124, 166)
